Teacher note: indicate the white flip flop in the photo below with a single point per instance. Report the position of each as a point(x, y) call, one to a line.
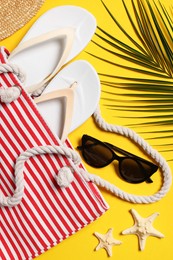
point(54, 39)
point(80, 84)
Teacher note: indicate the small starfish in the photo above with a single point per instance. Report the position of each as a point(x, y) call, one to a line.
point(106, 241)
point(143, 228)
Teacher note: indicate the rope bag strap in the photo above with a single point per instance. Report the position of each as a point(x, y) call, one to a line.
point(71, 154)
point(17, 196)
point(7, 95)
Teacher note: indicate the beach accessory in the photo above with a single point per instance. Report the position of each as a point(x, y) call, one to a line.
point(143, 228)
point(107, 241)
point(15, 14)
point(131, 167)
point(55, 38)
point(44, 197)
point(81, 98)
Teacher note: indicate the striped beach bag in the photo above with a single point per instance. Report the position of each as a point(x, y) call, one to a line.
point(36, 211)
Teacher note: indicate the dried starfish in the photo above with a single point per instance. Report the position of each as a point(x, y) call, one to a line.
point(143, 228)
point(106, 241)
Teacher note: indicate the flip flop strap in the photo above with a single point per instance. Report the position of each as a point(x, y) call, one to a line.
point(68, 93)
point(68, 33)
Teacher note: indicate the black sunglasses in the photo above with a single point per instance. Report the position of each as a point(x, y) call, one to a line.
point(132, 168)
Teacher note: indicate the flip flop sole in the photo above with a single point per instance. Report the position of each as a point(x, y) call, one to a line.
point(40, 60)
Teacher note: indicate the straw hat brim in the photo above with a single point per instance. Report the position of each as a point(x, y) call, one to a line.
point(15, 14)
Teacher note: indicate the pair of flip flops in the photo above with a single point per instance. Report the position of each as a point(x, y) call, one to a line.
point(56, 38)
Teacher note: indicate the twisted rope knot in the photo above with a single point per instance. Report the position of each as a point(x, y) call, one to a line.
point(9, 95)
point(65, 177)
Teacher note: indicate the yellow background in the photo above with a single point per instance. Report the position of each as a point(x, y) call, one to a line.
point(81, 245)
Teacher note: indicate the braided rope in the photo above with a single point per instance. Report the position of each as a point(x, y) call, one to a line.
point(19, 178)
point(124, 195)
point(16, 198)
point(7, 95)
point(13, 68)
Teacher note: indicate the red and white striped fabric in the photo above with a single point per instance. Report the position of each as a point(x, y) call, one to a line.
point(47, 214)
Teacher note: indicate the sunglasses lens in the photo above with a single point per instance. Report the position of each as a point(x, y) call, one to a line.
point(132, 171)
point(97, 155)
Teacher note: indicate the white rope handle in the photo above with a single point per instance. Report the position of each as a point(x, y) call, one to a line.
point(19, 177)
point(7, 95)
point(17, 196)
point(127, 196)
point(13, 68)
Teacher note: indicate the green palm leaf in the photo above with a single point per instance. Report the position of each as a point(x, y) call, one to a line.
point(149, 57)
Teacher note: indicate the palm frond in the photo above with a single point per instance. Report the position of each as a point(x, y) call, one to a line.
point(139, 86)
point(137, 79)
point(148, 57)
point(131, 56)
point(123, 30)
point(146, 72)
